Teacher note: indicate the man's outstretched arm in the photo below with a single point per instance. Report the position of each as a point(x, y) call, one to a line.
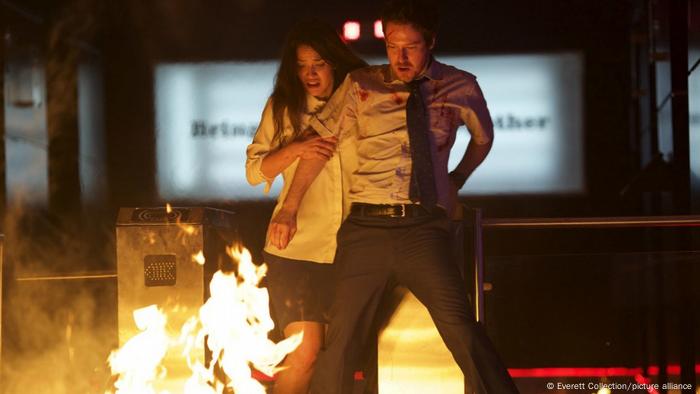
point(283, 225)
point(334, 120)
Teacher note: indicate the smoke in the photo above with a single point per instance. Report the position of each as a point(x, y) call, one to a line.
point(56, 333)
point(59, 336)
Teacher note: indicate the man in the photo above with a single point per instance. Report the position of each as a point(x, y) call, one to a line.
point(405, 116)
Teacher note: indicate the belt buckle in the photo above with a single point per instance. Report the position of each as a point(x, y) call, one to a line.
point(402, 214)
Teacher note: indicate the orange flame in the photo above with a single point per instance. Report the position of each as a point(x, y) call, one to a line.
point(235, 320)
point(185, 229)
point(199, 258)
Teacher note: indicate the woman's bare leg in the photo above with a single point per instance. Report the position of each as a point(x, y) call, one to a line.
point(299, 365)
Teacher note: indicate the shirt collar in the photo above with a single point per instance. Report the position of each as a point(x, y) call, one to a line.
point(432, 72)
point(313, 104)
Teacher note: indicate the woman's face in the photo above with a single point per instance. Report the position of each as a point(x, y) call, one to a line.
point(314, 73)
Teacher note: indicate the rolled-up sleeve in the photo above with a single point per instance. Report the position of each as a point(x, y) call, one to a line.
point(475, 115)
point(338, 117)
point(260, 147)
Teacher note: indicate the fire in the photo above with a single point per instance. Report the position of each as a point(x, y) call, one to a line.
point(185, 229)
point(199, 258)
point(137, 362)
point(188, 229)
point(235, 320)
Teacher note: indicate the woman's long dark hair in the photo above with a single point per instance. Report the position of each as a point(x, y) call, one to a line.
point(288, 93)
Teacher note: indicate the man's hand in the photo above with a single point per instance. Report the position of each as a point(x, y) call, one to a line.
point(282, 228)
point(283, 225)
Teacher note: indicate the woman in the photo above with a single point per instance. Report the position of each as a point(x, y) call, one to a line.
point(314, 62)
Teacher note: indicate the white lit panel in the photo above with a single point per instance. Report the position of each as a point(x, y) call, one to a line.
point(207, 113)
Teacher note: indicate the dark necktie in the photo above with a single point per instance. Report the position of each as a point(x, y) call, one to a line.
point(422, 176)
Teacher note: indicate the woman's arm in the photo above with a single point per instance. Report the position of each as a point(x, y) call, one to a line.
point(266, 159)
point(259, 148)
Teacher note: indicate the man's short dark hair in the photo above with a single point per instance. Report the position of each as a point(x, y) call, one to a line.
point(421, 14)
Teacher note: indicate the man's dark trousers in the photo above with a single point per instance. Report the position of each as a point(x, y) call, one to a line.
point(415, 252)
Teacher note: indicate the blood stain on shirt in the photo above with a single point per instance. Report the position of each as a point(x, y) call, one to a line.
point(397, 100)
point(405, 150)
point(363, 94)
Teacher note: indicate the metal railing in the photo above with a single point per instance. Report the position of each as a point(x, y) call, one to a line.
point(480, 224)
point(69, 276)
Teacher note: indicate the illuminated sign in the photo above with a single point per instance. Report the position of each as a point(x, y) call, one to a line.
point(378, 29)
point(351, 30)
point(207, 113)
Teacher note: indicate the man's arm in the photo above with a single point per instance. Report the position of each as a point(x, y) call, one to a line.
point(477, 118)
point(473, 157)
point(278, 160)
point(334, 119)
point(284, 225)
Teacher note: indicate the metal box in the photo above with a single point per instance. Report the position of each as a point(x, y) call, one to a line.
point(156, 265)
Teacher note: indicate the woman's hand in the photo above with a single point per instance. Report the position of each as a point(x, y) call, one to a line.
point(316, 147)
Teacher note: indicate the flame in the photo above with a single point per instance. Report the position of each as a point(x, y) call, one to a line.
point(137, 362)
point(185, 229)
point(235, 320)
point(150, 237)
point(199, 258)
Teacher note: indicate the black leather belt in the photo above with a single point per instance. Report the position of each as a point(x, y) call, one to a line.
point(389, 210)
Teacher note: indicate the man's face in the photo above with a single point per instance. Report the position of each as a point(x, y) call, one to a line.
point(406, 49)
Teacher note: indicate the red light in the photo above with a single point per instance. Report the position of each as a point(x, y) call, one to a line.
point(351, 30)
point(378, 30)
